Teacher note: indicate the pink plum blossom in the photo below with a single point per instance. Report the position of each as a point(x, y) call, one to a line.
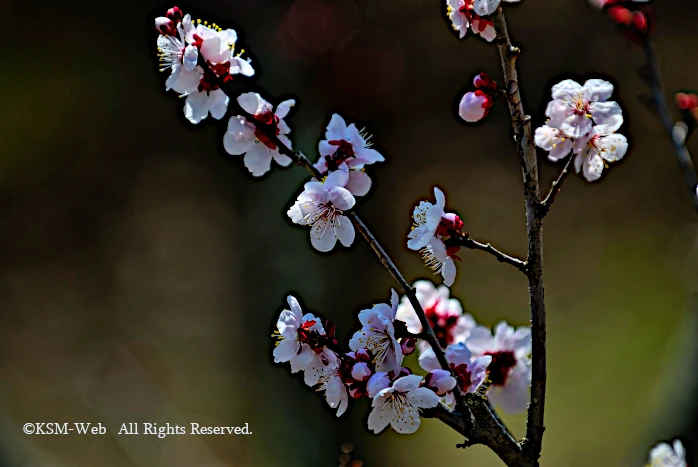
point(398, 405)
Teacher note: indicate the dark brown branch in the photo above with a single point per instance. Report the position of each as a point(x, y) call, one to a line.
point(555, 188)
point(467, 242)
point(652, 75)
point(523, 136)
point(300, 160)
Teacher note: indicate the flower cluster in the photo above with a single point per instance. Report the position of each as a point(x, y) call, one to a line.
point(582, 120)
point(435, 234)
point(475, 105)
point(322, 205)
point(497, 366)
point(200, 58)
point(665, 455)
point(474, 14)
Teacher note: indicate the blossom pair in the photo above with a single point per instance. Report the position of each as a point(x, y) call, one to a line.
point(435, 234)
point(200, 58)
point(475, 105)
point(582, 120)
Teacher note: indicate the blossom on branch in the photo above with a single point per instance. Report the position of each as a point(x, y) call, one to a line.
point(398, 405)
point(243, 136)
point(346, 148)
point(445, 314)
point(321, 206)
point(475, 105)
point(470, 372)
point(665, 455)
point(510, 370)
point(582, 120)
point(431, 234)
point(474, 14)
point(302, 341)
point(378, 336)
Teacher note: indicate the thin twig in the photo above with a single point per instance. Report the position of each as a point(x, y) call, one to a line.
point(301, 160)
point(467, 242)
point(523, 136)
point(544, 206)
point(652, 75)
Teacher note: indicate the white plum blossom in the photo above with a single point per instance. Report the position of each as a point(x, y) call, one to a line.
point(470, 372)
point(555, 141)
point(378, 335)
point(335, 390)
point(463, 16)
point(174, 52)
point(510, 370)
point(321, 206)
point(346, 148)
point(243, 137)
point(430, 226)
point(440, 381)
point(487, 7)
point(296, 333)
point(665, 455)
point(597, 149)
point(445, 314)
point(426, 218)
point(398, 405)
point(575, 109)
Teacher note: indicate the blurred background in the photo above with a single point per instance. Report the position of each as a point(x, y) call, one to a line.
point(142, 269)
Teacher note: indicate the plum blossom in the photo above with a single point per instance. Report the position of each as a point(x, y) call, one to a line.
point(510, 370)
point(378, 336)
point(575, 109)
point(432, 228)
point(398, 405)
point(445, 314)
point(243, 137)
point(470, 372)
point(594, 151)
point(440, 381)
point(665, 455)
point(302, 343)
point(332, 385)
point(474, 14)
point(346, 147)
point(202, 59)
point(582, 121)
point(321, 206)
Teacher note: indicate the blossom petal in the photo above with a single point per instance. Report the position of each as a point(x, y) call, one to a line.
point(285, 351)
point(258, 159)
point(407, 383)
point(342, 198)
point(597, 90)
point(196, 107)
point(344, 230)
point(376, 383)
point(218, 103)
point(593, 167)
point(614, 147)
point(301, 360)
point(380, 417)
point(480, 340)
point(449, 272)
point(359, 183)
point(239, 137)
point(608, 116)
point(322, 236)
point(423, 398)
point(283, 108)
point(485, 7)
point(407, 422)
point(566, 88)
point(336, 129)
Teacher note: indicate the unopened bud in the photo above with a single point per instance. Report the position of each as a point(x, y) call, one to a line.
point(363, 355)
point(621, 15)
point(408, 345)
point(484, 81)
point(440, 381)
point(175, 14)
point(640, 21)
point(165, 26)
point(474, 106)
point(361, 372)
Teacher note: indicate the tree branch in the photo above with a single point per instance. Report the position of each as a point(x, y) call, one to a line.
point(534, 226)
point(467, 242)
point(555, 188)
point(653, 77)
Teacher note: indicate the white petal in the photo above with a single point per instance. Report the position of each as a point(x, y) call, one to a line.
point(196, 107)
point(380, 417)
point(285, 351)
point(423, 398)
point(369, 156)
point(344, 230)
point(218, 103)
point(283, 108)
point(337, 178)
point(480, 340)
point(592, 167)
point(407, 383)
point(322, 236)
point(239, 137)
point(376, 383)
point(336, 129)
point(597, 90)
point(250, 102)
point(281, 159)
point(342, 198)
point(258, 159)
point(301, 361)
point(566, 88)
point(485, 7)
point(428, 360)
point(458, 354)
point(359, 183)
point(608, 116)
point(407, 422)
point(449, 272)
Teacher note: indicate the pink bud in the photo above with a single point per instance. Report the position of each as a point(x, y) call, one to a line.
point(440, 381)
point(361, 372)
point(165, 26)
point(640, 21)
point(357, 392)
point(474, 106)
point(484, 81)
point(408, 345)
point(363, 355)
point(621, 15)
point(175, 14)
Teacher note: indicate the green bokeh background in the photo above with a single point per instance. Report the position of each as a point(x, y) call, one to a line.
point(141, 268)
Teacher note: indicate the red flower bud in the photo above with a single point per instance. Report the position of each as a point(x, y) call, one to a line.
point(621, 15)
point(165, 26)
point(175, 14)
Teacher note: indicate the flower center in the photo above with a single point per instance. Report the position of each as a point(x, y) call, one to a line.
point(272, 121)
point(581, 106)
point(442, 325)
point(502, 363)
point(215, 76)
point(463, 376)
